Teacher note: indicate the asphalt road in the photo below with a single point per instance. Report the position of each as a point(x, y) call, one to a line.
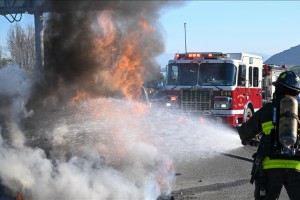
point(223, 176)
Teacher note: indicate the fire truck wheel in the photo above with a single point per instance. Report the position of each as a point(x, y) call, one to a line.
point(249, 113)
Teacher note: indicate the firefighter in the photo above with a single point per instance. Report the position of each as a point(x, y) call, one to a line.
point(277, 159)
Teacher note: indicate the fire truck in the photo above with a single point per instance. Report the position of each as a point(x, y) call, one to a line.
point(226, 87)
point(270, 74)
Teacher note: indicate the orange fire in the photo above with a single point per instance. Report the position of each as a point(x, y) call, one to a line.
point(19, 197)
point(122, 56)
point(125, 54)
point(143, 23)
point(129, 68)
point(79, 96)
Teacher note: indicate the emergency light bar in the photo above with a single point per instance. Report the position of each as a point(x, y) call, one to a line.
point(199, 55)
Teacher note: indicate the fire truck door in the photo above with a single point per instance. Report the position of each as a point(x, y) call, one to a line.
point(242, 81)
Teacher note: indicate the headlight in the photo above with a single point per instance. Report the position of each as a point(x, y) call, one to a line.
point(221, 102)
point(171, 101)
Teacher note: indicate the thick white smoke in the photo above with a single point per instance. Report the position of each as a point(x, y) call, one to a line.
point(99, 148)
point(14, 93)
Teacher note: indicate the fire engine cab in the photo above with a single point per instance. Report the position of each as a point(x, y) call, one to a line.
point(270, 74)
point(226, 87)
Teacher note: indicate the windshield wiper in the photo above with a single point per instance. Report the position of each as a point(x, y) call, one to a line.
point(217, 87)
point(175, 86)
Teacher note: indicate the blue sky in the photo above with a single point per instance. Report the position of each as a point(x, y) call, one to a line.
point(5, 25)
point(265, 27)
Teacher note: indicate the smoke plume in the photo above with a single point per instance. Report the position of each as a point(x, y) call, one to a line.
point(79, 131)
point(68, 134)
point(105, 52)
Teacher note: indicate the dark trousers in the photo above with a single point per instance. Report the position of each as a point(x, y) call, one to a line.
point(273, 181)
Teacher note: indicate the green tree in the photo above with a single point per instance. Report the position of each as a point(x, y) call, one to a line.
point(5, 61)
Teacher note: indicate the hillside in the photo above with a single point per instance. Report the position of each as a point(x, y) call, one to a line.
point(287, 57)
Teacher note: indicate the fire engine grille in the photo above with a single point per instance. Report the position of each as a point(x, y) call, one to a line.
point(196, 100)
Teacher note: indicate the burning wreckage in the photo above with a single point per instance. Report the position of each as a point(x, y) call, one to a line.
point(84, 143)
point(76, 131)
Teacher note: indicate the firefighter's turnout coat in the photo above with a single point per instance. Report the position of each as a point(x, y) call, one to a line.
point(262, 123)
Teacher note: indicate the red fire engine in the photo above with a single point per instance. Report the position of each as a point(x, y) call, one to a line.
point(270, 74)
point(226, 87)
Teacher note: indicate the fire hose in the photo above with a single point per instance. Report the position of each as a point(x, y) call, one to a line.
point(237, 157)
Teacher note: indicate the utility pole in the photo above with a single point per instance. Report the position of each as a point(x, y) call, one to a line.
point(185, 36)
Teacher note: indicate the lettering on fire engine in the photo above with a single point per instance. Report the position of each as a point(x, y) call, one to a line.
point(240, 99)
point(226, 93)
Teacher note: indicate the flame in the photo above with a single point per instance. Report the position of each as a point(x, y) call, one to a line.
point(79, 96)
point(19, 197)
point(106, 45)
point(123, 54)
point(129, 69)
point(146, 26)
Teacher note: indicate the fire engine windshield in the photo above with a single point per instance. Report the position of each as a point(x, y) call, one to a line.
point(191, 74)
point(182, 74)
point(221, 74)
